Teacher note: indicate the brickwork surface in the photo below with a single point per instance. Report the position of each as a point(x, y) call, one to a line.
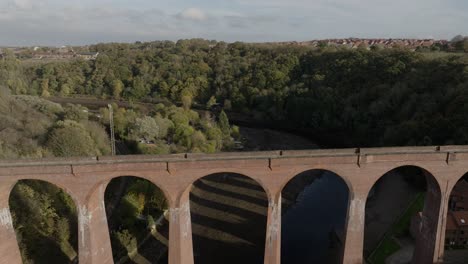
point(85, 179)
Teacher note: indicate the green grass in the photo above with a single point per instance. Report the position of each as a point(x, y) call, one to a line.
point(388, 245)
point(401, 227)
point(441, 54)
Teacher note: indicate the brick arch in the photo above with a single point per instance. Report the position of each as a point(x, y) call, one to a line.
point(291, 176)
point(426, 240)
point(387, 169)
point(57, 184)
point(244, 232)
point(63, 185)
point(94, 201)
point(451, 183)
point(360, 167)
point(104, 183)
point(259, 179)
point(455, 181)
point(8, 187)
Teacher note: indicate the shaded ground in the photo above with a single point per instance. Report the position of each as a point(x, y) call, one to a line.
point(456, 257)
point(228, 220)
point(154, 249)
point(404, 255)
point(390, 198)
point(267, 139)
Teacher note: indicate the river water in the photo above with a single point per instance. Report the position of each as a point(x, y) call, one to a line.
point(320, 208)
point(306, 226)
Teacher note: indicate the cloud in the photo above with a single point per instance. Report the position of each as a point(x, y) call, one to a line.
point(23, 4)
point(59, 22)
point(193, 14)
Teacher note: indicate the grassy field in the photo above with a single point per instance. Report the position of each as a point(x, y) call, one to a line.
point(388, 245)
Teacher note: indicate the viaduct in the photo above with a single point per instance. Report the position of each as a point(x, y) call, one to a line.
point(85, 180)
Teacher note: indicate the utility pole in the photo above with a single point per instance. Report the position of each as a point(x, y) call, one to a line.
point(111, 124)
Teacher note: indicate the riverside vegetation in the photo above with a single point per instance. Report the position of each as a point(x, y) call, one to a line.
point(357, 97)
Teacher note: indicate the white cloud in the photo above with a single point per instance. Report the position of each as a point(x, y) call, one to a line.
point(193, 14)
point(58, 22)
point(23, 4)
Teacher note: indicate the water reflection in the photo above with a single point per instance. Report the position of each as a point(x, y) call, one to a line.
point(316, 222)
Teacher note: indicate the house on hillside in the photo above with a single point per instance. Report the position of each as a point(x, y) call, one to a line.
point(456, 233)
point(65, 54)
point(88, 55)
point(50, 55)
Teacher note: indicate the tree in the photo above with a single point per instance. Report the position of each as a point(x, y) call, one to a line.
point(183, 135)
point(99, 136)
point(224, 124)
point(164, 125)
point(75, 112)
point(211, 102)
point(117, 88)
point(69, 139)
point(146, 128)
point(215, 136)
point(463, 45)
point(198, 140)
point(46, 205)
point(45, 88)
point(65, 89)
point(363, 46)
point(227, 104)
point(186, 102)
point(457, 38)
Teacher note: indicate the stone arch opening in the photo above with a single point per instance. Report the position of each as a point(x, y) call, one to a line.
point(138, 220)
point(229, 215)
point(314, 208)
point(45, 221)
point(401, 217)
point(456, 229)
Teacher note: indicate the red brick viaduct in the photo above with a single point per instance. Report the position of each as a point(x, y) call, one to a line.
point(85, 179)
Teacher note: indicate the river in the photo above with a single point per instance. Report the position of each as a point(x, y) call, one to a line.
point(306, 227)
point(319, 209)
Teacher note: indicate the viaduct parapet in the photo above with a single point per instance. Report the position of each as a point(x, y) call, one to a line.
point(85, 180)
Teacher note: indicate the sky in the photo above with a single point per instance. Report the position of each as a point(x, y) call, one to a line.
point(80, 22)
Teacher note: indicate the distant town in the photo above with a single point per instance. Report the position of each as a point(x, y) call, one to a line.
point(49, 53)
point(354, 43)
point(68, 52)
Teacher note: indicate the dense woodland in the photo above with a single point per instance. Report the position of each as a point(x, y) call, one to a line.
point(369, 97)
point(360, 97)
